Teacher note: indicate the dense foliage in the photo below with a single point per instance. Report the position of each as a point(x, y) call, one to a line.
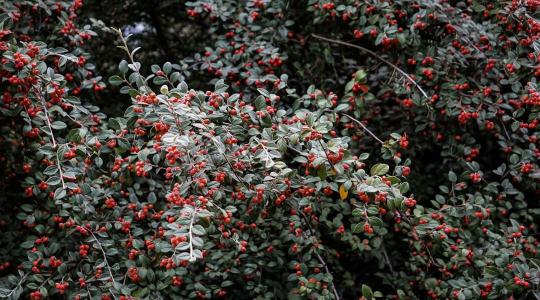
point(326, 150)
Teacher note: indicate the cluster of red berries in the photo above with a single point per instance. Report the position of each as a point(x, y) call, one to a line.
point(280, 199)
point(220, 177)
point(110, 203)
point(313, 136)
point(533, 98)
point(367, 228)
point(82, 230)
point(140, 169)
point(472, 154)
point(36, 295)
point(428, 73)
point(335, 157)
point(42, 240)
point(175, 240)
point(61, 287)
point(177, 281)
point(409, 202)
point(526, 168)
point(167, 263)
point(133, 253)
point(521, 282)
point(20, 60)
point(147, 99)
point(464, 116)
point(133, 274)
point(328, 6)
point(70, 154)
point(475, 177)
point(83, 250)
point(54, 262)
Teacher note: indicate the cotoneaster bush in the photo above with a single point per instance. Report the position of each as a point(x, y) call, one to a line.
point(289, 176)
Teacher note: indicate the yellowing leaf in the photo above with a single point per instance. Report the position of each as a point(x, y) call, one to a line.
point(343, 192)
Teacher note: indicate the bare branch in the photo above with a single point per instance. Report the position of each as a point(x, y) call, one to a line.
point(363, 127)
point(319, 257)
point(104, 258)
point(376, 56)
point(54, 144)
point(191, 255)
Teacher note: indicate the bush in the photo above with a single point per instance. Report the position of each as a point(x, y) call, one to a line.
point(286, 172)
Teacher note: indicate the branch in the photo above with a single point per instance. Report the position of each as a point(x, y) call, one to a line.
point(213, 139)
point(388, 260)
point(54, 144)
point(104, 258)
point(23, 278)
point(319, 257)
point(131, 57)
point(326, 154)
point(363, 127)
point(191, 255)
point(334, 290)
point(376, 56)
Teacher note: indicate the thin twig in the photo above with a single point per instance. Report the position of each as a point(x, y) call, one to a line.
point(131, 58)
point(363, 127)
point(191, 255)
point(61, 173)
point(326, 154)
point(319, 257)
point(505, 131)
point(54, 144)
point(375, 55)
point(88, 290)
point(17, 286)
point(104, 258)
point(325, 266)
point(387, 260)
point(214, 141)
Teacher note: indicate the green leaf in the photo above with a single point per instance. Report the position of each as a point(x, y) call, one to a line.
point(167, 67)
point(357, 228)
point(4, 292)
point(59, 193)
point(342, 107)
point(27, 244)
point(452, 176)
point(123, 67)
point(322, 173)
point(140, 293)
point(360, 75)
point(264, 92)
point(357, 212)
point(367, 292)
point(375, 222)
point(27, 207)
point(404, 187)
point(379, 169)
point(260, 103)
point(198, 230)
point(58, 125)
point(115, 80)
point(220, 86)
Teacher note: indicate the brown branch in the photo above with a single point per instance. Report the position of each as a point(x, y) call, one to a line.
point(363, 127)
point(319, 257)
point(54, 143)
point(376, 56)
point(104, 259)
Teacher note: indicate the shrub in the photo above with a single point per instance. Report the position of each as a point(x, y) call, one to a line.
point(290, 177)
